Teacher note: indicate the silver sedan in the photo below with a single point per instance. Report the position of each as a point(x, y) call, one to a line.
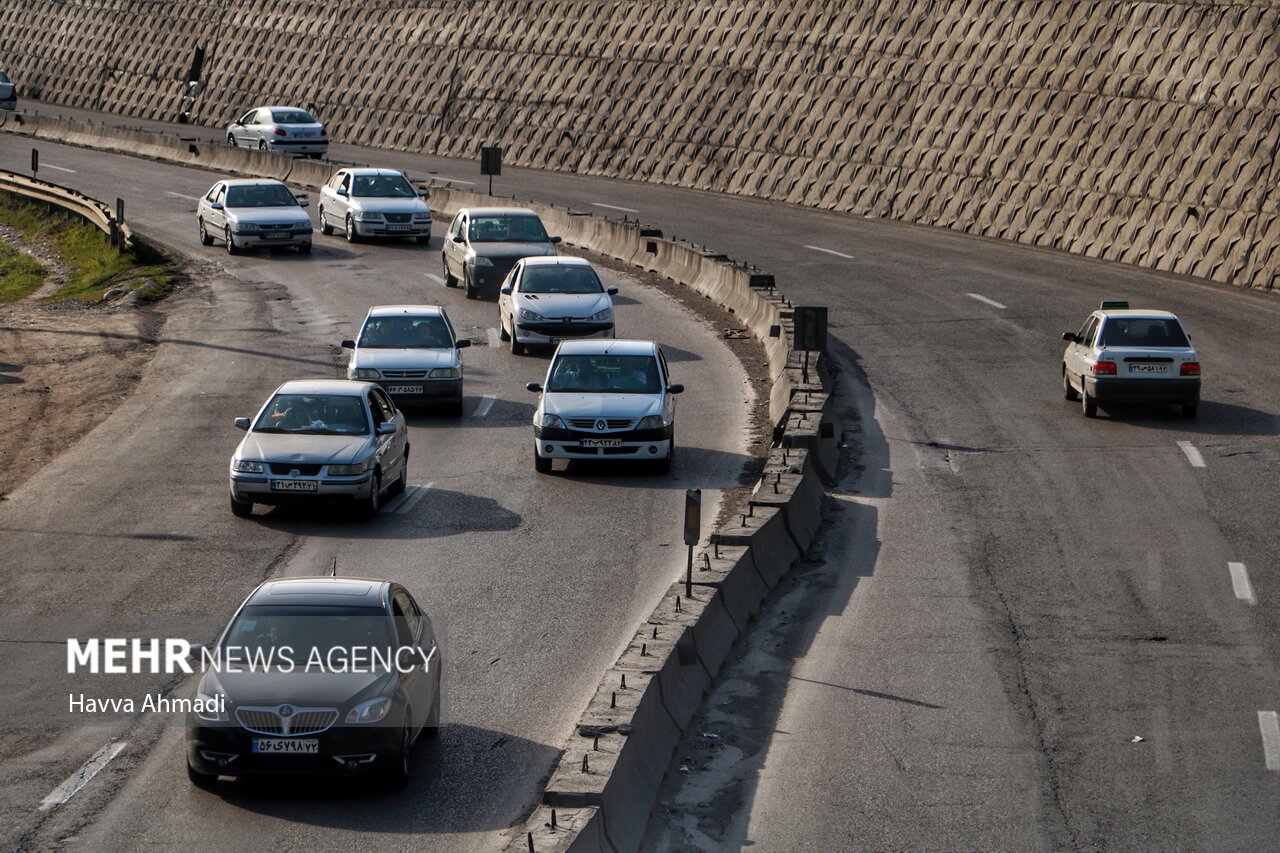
point(286, 129)
point(253, 212)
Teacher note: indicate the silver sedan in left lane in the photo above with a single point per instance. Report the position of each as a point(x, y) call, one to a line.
point(253, 212)
point(321, 441)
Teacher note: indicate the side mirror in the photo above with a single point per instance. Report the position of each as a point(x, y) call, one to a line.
point(555, 239)
point(242, 423)
point(675, 389)
point(386, 428)
point(506, 290)
point(534, 387)
point(217, 205)
point(342, 191)
point(348, 344)
point(1071, 336)
point(612, 291)
point(463, 343)
point(457, 238)
point(304, 202)
point(423, 192)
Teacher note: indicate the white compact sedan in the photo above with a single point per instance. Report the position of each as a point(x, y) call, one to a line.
point(286, 129)
point(248, 213)
point(374, 203)
point(547, 300)
point(411, 351)
point(321, 440)
point(606, 400)
point(1125, 355)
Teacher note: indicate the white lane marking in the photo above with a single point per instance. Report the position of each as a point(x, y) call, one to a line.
point(437, 279)
point(981, 298)
point(180, 195)
point(81, 777)
point(614, 207)
point(1269, 723)
point(830, 252)
point(452, 180)
point(411, 500)
point(1240, 583)
point(59, 168)
point(494, 340)
point(486, 403)
point(1193, 455)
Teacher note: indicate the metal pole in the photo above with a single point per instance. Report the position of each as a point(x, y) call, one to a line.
point(688, 576)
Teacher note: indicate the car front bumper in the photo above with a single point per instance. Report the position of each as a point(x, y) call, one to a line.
point(257, 488)
point(432, 390)
point(256, 240)
point(552, 332)
point(227, 750)
point(11, 104)
point(1109, 390)
point(640, 444)
point(378, 228)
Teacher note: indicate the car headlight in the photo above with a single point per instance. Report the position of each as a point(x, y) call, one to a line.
point(445, 373)
point(367, 216)
point(606, 314)
point(244, 466)
point(373, 711)
point(422, 217)
point(481, 262)
point(302, 225)
point(350, 470)
point(526, 314)
point(552, 422)
point(211, 710)
point(245, 226)
point(651, 422)
point(364, 373)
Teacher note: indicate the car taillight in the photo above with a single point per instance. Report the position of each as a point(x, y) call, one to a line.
point(1104, 368)
point(1190, 368)
point(324, 132)
point(280, 131)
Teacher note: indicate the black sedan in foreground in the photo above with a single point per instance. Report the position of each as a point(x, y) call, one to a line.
point(334, 676)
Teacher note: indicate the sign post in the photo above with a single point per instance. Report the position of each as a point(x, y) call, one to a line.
point(491, 163)
point(35, 162)
point(811, 331)
point(692, 532)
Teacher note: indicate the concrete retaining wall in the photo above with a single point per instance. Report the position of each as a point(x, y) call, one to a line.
point(1142, 132)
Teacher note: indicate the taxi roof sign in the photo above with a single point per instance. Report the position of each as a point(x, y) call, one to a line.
point(1113, 303)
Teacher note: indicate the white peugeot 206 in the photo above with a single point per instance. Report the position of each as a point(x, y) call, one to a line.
point(606, 400)
point(546, 300)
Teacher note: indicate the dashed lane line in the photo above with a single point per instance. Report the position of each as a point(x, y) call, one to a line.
point(1269, 723)
point(1240, 583)
point(180, 195)
point(437, 279)
point(494, 340)
point(614, 207)
point(486, 403)
point(831, 252)
point(59, 168)
point(1193, 455)
point(81, 777)
point(411, 497)
point(991, 302)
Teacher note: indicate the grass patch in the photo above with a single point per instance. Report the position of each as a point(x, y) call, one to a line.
point(20, 275)
point(95, 266)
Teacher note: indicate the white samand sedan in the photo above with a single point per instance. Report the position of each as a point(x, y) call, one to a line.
point(1123, 355)
point(245, 214)
point(605, 400)
point(411, 351)
point(374, 203)
point(321, 440)
point(546, 300)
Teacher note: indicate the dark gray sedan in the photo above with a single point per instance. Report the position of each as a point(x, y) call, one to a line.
point(484, 243)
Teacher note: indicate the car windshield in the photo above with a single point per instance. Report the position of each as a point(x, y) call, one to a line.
point(506, 229)
point(260, 195)
point(402, 332)
point(1143, 332)
point(382, 186)
point(560, 279)
point(292, 117)
point(4, 78)
point(314, 414)
point(281, 633)
point(614, 374)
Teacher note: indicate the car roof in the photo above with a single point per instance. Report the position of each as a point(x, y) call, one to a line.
point(357, 592)
point(1137, 312)
point(607, 347)
point(498, 211)
point(556, 261)
point(252, 182)
point(416, 310)
point(337, 387)
point(370, 170)
point(284, 107)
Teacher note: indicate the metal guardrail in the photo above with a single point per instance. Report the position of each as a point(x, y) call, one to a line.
point(97, 212)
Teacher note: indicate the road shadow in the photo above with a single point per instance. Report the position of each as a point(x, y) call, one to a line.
point(502, 413)
point(7, 368)
point(1215, 417)
point(431, 515)
point(181, 342)
point(692, 467)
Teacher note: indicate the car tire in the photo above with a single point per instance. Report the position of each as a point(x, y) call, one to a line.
point(449, 280)
point(400, 772)
point(350, 225)
point(664, 465)
point(368, 507)
point(304, 248)
point(232, 248)
point(424, 239)
point(503, 335)
point(1189, 411)
point(325, 228)
point(205, 238)
point(204, 781)
point(431, 727)
point(1067, 390)
point(241, 509)
point(540, 464)
point(231, 140)
point(454, 410)
point(402, 482)
point(262, 145)
point(471, 291)
point(517, 348)
point(1088, 405)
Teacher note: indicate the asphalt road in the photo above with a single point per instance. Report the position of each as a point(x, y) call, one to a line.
point(1013, 592)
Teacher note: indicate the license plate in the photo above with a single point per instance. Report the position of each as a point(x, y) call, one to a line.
point(399, 227)
point(294, 486)
point(404, 389)
point(601, 442)
point(277, 235)
point(262, 746)
point(1148, 368)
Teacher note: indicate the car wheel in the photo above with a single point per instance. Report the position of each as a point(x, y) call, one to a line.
point(664, 465)
point(205, 781)
point(232, 248)
point(231, 140)
point(1067, 390)
point(325, 227)
point(369, 506)
point(449, 280)
point(1189, 410)
point(472, 293)
point(398, 774)
point(424, 239)
point(350, 225)
point(454, 410)
point(503, 335)
point(540, 464)
point(1088, 405)
point(262, 145)
point(304, 248)
point(517, 348)
point(402, 481)
point(431, 727)
point(205, 239)
point(241, 509)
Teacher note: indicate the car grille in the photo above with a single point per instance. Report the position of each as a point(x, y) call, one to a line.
point(590, 423)
point(399, 217)
point(404, 374)
point(300, 721)
point(284, 469)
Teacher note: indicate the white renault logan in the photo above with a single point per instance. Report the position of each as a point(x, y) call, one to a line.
point(606, 400)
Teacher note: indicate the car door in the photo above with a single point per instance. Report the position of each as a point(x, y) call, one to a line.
point(415, 682)
point(214, 219)
point(668, 399)
point(342, 198)
point(455, 253)
point(390, 447)
point(1082, 349)
point(507, 301)
point(329, 198)
point(244, 131)
point(432, 655)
